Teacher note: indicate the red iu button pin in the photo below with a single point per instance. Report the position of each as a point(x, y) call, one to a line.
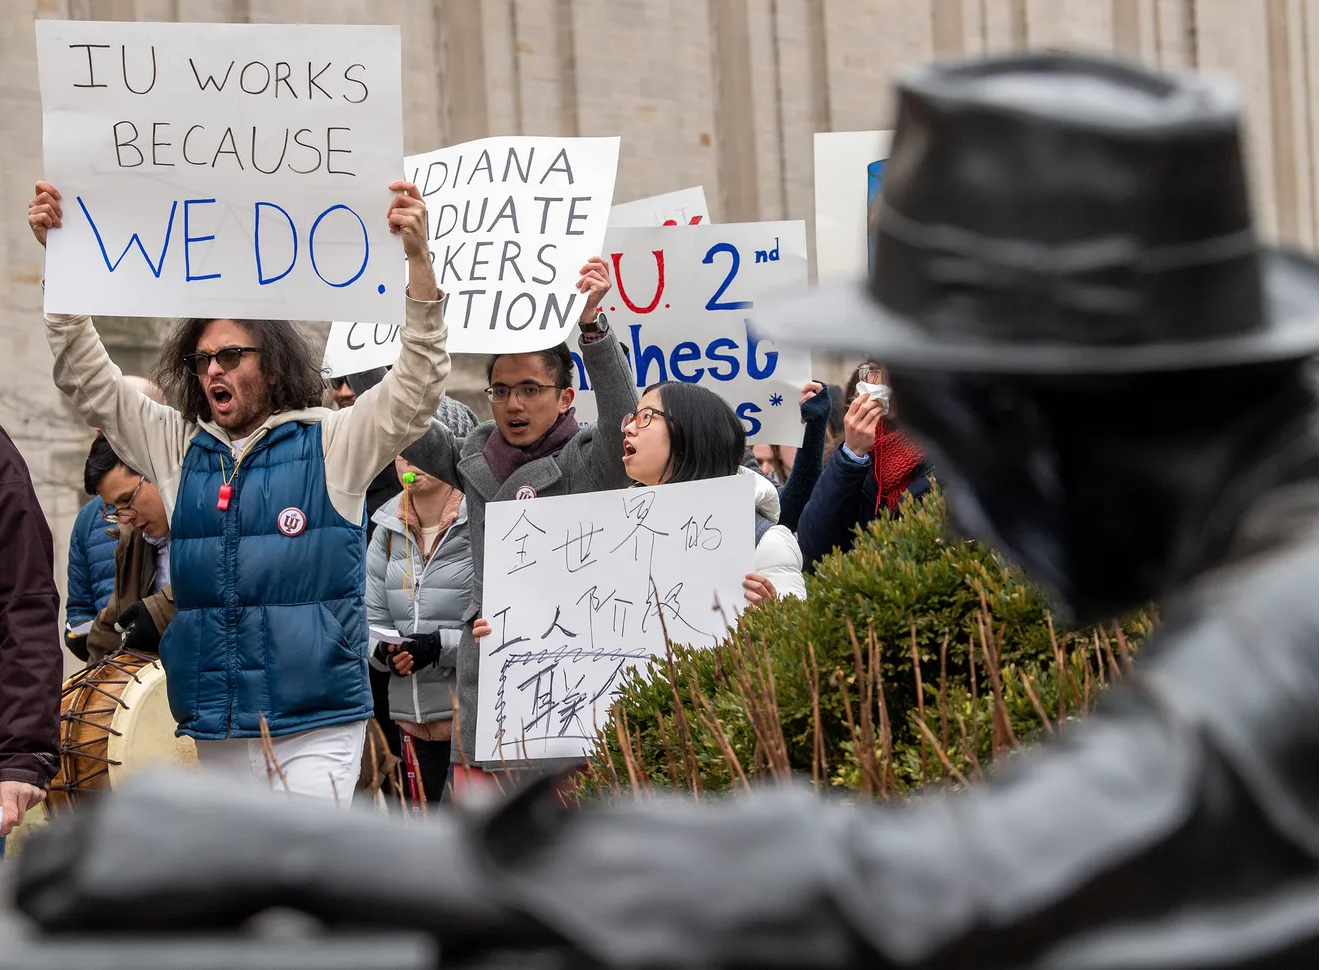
point(292, 521)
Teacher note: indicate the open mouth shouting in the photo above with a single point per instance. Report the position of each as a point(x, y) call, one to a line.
point(517, 427)
point(221, 399)
point(629, 450)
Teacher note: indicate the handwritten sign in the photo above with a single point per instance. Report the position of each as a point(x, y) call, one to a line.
point(568, 593)
point(222, 170)
point(512, 220)
point(686, 207)
point(354, 347)
point(680, 303)
point(849, 173)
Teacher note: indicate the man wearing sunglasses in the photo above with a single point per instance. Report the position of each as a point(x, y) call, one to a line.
point(534, 447)
point(142, 603)
point(264, 489)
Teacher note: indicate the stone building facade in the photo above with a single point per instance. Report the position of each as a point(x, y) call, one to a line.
point(720, 93)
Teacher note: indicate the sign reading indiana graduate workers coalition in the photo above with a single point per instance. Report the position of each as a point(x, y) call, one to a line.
point(680, 304)
point(579, 588)
point(512, 220)
point(222, 170)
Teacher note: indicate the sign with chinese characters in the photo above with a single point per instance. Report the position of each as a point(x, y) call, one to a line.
point(579, 588)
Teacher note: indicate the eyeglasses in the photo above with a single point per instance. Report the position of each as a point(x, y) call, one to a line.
point(526, 391)
point(642, 417)
point(228, 357)
point(112, 514)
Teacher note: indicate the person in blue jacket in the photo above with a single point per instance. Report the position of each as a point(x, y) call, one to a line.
point(91, 573)
point(868, 474)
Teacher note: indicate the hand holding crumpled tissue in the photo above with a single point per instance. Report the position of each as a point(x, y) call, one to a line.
point(877, 392)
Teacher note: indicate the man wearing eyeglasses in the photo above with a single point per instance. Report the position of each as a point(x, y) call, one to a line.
point(142, 603)
point(263, 490)
point(534, 447)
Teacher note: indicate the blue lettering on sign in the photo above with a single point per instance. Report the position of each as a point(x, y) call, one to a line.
point(134, 240)
point(720, 354)
point(256, 234)
point(745, 412)
point(189, 239)
point(366, 246)
point(714, 302)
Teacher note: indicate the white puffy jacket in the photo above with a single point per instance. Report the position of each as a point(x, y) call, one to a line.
point(778, 557)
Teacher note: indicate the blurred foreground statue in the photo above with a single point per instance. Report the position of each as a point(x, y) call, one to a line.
point(1118, 380)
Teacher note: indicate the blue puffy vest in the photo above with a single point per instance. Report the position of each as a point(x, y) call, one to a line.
point(271, 617)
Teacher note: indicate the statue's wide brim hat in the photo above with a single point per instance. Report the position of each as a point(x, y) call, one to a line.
point(1053, 214)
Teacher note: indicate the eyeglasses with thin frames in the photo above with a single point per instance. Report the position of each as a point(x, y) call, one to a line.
point(112, 514)
point(526, 391)
point(642, 417)
point(228, 357)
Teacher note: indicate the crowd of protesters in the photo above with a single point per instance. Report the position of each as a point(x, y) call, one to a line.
point(239, 443)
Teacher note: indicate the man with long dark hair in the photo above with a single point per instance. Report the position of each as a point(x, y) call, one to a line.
point(265, 492)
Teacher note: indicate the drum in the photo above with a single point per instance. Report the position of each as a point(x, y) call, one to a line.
point(114, 719)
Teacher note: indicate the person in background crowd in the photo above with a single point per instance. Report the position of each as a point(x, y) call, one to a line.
point(344, 391)
point(533, 447)
point(142, 604)
point(834, 429)
point(31, 668)
point(868, 474)
point(686, 433)
point(814, 405)
point(419, 583)
point(265, 492)
point(775, 461)
point(91, 567)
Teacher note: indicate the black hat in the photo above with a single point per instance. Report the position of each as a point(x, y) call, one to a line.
point(1054, 214)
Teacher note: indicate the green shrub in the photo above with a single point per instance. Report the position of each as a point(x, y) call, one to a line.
point(828, 685)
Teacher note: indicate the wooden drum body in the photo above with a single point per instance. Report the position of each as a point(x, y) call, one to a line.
point(114, 719)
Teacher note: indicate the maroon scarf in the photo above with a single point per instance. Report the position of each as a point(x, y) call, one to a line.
point(504, 459)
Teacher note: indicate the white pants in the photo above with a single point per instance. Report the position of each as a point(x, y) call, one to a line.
point(323, 763)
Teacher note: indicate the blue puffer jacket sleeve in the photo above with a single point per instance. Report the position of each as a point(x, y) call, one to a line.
point(833, 509)
point(91, 577)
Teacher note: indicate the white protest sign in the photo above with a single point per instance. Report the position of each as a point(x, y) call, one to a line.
point(512, 220)
point(355, 347)
point(568, 593)
point(849, 171)
point(686, 207)
point(680, 303)
point(222, 170)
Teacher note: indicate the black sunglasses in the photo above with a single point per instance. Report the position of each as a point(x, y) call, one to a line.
point(227, 357)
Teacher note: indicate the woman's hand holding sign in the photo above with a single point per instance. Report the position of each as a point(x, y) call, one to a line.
point(407, 216)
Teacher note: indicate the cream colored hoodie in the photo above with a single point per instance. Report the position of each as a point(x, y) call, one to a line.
point(358, 441)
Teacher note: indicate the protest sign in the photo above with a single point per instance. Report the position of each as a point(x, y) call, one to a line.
point(222, 170)
point(513, 219)
point(355, 347)
point(570, 600)
point(849, 171)
point(686, 207)
point(680, 303)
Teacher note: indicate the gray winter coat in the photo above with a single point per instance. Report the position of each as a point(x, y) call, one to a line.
point(411, 596)
point(592, 461)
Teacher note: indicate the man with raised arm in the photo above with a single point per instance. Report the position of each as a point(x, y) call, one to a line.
point(264, 489)
point(534, 448)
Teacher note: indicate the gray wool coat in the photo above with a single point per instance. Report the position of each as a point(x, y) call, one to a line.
point(592, 461)
point(412, 596)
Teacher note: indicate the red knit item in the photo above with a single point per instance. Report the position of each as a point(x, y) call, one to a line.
point(894, 464)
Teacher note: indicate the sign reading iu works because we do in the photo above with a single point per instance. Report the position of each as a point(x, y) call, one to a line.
point(224, 170)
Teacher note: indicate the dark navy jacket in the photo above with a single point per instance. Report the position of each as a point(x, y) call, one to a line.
point(843, 499)
point(91, 564)
point(271, 616)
